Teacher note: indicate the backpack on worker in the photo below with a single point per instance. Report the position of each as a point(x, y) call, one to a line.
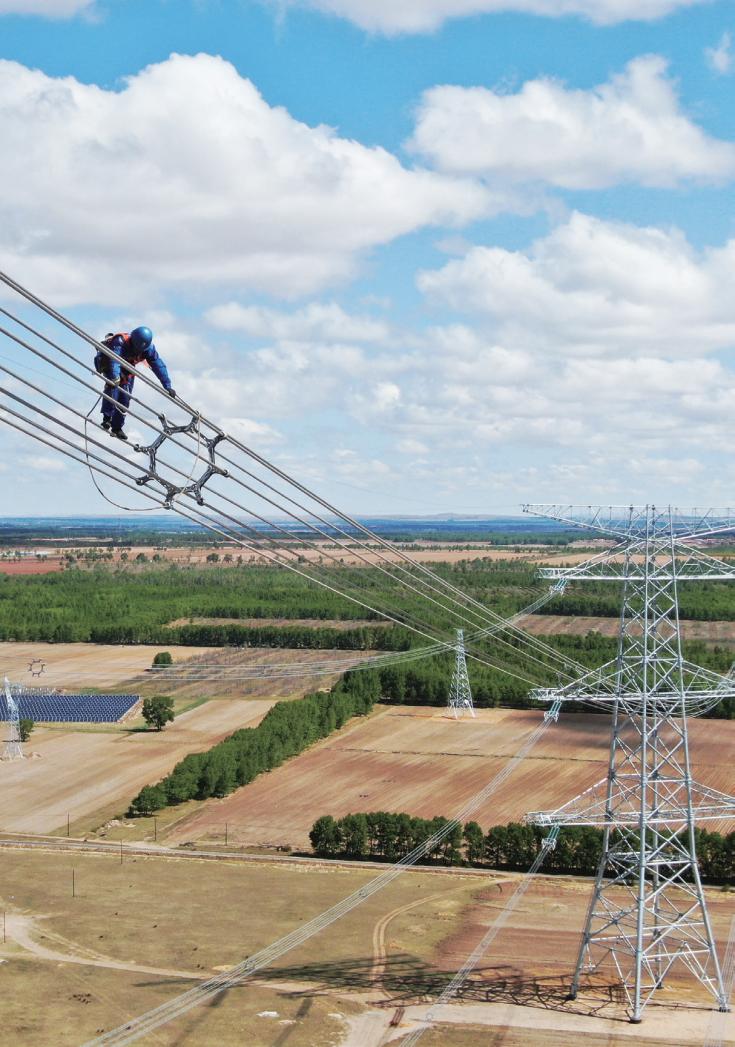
point(101, 360)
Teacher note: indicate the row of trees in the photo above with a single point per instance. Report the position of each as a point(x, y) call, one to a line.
point(68, 606)
point(287, 729)
point(703, 601)
point(383, 835)
point(427, 682)
point(297, 637)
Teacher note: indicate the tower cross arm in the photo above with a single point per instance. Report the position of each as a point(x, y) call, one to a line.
point(625, 521)
point(632, 559)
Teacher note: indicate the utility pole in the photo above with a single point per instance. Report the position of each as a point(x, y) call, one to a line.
point(460, 692)
point(648, 913)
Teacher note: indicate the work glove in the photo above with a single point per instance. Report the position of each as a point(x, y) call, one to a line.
point(171, 393)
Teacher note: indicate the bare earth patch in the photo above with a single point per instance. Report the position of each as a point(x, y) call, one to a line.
point(48, 565)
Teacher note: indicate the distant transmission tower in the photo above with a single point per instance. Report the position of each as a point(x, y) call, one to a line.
point(13, 750)
point(648, 912)
point(460, 692)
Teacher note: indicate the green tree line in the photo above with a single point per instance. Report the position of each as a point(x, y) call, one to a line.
point(287, 729)
point(295, 637)
point(427, 682)
point(77, 605)
point(387, 836)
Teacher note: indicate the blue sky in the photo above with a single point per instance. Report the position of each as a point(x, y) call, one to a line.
point(429, 260)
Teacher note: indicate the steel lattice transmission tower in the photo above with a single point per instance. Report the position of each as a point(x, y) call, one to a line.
point(460, 692)
point(648, 912)
point(13, 749)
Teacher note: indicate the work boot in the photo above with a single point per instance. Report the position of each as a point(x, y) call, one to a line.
point(119, 434)
point(106, 423)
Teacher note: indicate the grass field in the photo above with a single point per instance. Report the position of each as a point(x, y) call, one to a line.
point(422, 762)
point(140, 932)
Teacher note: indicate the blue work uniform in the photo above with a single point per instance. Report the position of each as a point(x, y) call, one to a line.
point(120, 394)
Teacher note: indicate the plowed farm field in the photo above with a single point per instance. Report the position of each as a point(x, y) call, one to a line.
point(77, 665)
point(48, 565)
point(570, 625)
point(422, 762)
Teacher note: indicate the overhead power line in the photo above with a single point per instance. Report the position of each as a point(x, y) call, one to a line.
point(414, 578)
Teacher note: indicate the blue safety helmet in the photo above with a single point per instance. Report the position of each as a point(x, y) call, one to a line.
point(142, 338)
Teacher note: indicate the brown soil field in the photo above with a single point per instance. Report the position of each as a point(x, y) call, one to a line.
point(430, 553)
point(99, 665)
point(80, 772)
point(46, 566)
point(285, 688)
point(82, 664)
point(422, 762)
point(566, 625)
point(139, 933)
point(517, 995)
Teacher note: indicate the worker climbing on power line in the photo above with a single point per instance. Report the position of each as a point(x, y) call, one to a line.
point(134, 348)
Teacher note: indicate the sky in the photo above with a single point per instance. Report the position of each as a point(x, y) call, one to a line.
point(430, 256)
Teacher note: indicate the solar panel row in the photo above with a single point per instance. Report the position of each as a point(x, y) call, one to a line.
point(71, 708)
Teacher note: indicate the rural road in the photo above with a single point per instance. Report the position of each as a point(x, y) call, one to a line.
point(133, 850)
point(24, 932)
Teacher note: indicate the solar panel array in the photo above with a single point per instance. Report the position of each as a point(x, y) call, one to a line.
point(48, 707)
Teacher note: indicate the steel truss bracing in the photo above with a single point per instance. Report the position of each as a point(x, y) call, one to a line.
point(460, 692)
point(648, 912)
point(13, 747)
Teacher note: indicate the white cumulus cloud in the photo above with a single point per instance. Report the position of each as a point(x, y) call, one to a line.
point(630, 129)
point(46, 8)
point(44, 463)
point(421, 16)
point(317, 320)
point(593, 287)
point(187, 176)
point(720, 58)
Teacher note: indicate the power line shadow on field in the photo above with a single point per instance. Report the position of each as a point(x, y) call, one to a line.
point(401, 975)
point(506, 984)
point(301, 1013)
point(404, 979)
point(200, 1015)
